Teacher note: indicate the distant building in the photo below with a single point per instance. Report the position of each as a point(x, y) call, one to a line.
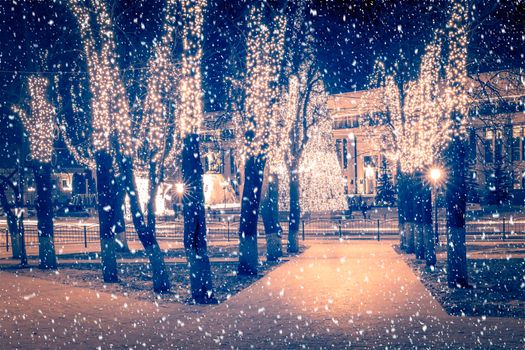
point(496, 140)
point(497, 136)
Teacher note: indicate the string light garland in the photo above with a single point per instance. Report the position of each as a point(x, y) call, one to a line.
point(320, 176)
point(304, 113)
point(190, 107)
point(147, 137)
point(254, 113)
point(82, 152)
point(457, 95)
point(109, 102)
point(153, 144)
point(39, 120)
point(414, 132)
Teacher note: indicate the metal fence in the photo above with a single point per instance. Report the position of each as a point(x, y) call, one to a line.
point(313, 228)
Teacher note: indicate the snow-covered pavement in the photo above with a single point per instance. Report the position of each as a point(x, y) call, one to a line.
point(350, 294)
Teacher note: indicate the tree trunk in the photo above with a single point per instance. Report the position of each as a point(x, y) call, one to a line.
point(251, 198)
point(418, 218)
point(106, 213)
point(410, 226)
point(20, 204)
point(270, 216)
point(120, 222)
point(12, 225)
point(401, 208)
point(16, 236)
point(44, 212)
point(147, 232)
point(195, 244)
point(295, 210)
point(426, 220)
point(456, 196)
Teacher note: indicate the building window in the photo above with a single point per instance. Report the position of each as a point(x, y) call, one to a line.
point(487, 143)
point(345, 154)
point(227, 134)
point(338, 150)
point(232, 163)
point(516, 139)
point(223, 160)
point(472, 143)
point(522, 139)
point(498, 145)
point(517, 179)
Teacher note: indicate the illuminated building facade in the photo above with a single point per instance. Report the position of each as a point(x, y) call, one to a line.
point(496, 149)
point(496, 138)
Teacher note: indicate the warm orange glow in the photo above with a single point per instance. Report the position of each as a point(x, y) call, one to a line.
point(436, 175)
point(179, 187)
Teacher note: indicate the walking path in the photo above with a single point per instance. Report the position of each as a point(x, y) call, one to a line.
point(351, 294)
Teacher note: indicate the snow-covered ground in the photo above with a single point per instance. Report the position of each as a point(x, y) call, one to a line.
point(349, 294)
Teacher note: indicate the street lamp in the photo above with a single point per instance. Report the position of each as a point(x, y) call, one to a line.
point(179, 187)
point(435, 175)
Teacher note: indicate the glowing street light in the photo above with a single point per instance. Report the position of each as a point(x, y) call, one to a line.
point(435, 175)
point(179, 187)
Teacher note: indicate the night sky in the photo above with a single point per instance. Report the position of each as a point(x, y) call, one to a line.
point(350, 36)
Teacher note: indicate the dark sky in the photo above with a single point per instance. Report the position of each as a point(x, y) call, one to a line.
point(350, 36)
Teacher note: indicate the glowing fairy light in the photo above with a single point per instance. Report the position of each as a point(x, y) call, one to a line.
point(305, 135)
point(190, 107)
point(109, 102)
point(38, 120)
point(321, 181)
point(456, 69)
point(414, 132)
point(157, 117)
point(254, 114)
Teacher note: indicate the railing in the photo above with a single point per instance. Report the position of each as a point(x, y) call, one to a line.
point(322, 228)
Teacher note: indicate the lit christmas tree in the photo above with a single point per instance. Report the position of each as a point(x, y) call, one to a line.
point(321, 181)
point(385, 187)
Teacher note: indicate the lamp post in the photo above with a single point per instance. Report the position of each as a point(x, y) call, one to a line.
point(224, 185)
point(435, 175)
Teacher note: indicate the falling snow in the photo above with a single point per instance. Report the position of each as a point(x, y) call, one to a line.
point(304, 174)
